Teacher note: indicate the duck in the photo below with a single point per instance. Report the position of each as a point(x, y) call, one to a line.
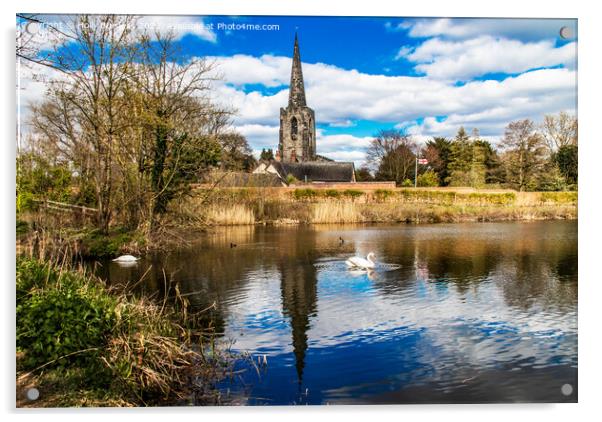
point(358, 262)
point(126, 258)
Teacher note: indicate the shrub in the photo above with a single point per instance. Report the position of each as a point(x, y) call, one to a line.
point(22, 227)
point(559, 197)
point(25, 202)
point(407, 183)
point(505, 198)
point(332, 193)
point(304, 193)
point(291, 180)
point(353, 193)
point(120, 346)
point(382, 194)
point(60, 315)
point(407, 194)
point(97, 245)
point(428, 179)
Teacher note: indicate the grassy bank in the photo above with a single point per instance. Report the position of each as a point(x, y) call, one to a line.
point(42, 234)
point(314, 206)
point(82, 344)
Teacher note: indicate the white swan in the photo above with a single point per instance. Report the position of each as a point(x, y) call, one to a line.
point(357, 262)
point(126, 258)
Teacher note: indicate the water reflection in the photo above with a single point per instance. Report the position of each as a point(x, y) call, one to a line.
point(455, 313)
point(299, 303)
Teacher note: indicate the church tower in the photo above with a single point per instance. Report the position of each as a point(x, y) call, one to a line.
point(297, 121)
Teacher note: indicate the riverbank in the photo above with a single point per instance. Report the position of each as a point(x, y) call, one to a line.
point(80, 343)
point(39, 234)
point(310, 205)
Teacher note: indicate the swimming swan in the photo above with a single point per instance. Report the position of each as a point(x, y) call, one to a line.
point(126, 258)
point(357, 262)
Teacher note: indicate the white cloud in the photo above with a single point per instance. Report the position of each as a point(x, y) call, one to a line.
point(403, 52)
point(462, 28)
point(340, 95)
point(462, 60)
point(358, 157)
point(267, 70)
point(331, 143)
point(260, 136)
point(343, 147)
point(344, 123)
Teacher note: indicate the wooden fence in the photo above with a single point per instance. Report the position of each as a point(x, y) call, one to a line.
point(77, 211)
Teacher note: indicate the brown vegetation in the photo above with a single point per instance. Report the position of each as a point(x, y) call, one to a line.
point(313, 206)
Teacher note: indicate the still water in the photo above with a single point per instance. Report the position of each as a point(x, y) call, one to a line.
point(466, 313)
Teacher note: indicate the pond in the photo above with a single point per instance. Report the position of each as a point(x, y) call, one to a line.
point(452, 313)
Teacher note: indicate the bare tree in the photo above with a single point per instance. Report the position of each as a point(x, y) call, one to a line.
point(559, 130)
point(177, 119)
point(392, 155)
point(35, 33)
point(236, 152)
point(524, 154)
point(85, 110)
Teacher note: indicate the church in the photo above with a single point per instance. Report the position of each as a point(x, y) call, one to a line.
point(297, 156)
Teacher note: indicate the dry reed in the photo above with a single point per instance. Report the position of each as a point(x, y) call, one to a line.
point(230, 215)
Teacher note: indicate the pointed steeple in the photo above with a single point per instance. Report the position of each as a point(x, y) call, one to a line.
point(296, 96)
point(297, 140)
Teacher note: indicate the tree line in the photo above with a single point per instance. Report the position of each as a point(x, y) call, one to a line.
point(126, 123)
point(528, 157)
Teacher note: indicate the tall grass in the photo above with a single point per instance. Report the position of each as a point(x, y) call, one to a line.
point(337, 212)
point(230, 214)
point(315, 205)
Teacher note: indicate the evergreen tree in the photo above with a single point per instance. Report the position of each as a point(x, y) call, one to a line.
point(438, 153)
point(550, 178)
point(467, 162)
point(493, 167)
point(566, 158)
point(267, 155)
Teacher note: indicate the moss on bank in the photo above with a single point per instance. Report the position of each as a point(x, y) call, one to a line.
point(82, 344)
point(95, 244)
point(51, 240)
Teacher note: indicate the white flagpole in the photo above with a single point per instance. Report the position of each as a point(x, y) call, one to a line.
point(416, 174)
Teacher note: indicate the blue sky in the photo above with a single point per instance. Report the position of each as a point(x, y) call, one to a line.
point(427, 76)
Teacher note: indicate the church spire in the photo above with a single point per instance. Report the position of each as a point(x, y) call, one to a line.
point(296, 96)
point(297, 121)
